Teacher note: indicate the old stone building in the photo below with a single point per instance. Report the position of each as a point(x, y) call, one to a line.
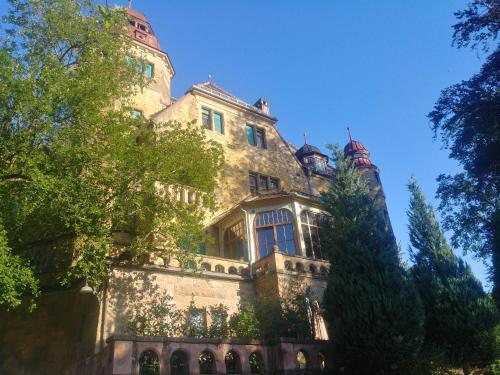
point(266, 230)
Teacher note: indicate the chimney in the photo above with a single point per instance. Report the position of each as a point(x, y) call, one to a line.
point(263, 105)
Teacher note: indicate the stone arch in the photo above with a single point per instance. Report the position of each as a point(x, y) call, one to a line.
point(323, 270)
point(179, 363)
point(149, 363)
point(206, 266)
point(299, 267)
point(219, 268)
point(206, 361)
point(233, 362)
point(301, 360)
point(256, 363)
point(232, 270)
point(288, 265)
point(313, 269)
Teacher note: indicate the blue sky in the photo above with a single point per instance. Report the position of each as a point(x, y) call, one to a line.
point(375, 66)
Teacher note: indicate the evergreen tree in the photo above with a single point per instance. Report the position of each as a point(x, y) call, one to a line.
point(460, 317)
point(374, 313)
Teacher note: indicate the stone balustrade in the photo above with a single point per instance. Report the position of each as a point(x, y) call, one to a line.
point(283, 263)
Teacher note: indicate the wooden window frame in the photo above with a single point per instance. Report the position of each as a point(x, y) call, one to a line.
point(228, 242)
point(293, 223)
point(254, 130)
point(308, 224)
point(258, 177)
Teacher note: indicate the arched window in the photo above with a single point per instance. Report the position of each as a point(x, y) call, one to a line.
point(323, 270)
point(149, 363)
point(256, 363)
point(288, 265)
point(219, 268)
point(235, 242)
point(275, 228)
point(233, 270)
point(301, 360)
point(311, 223)
point(233, 364)
point(207, 363)
point(299, 267)
point(206, 267)
point(179, 363)
point(312, 268)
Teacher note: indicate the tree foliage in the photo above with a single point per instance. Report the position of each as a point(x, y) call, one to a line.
point(374, 313)
point(245, 323)
point(466, 119)
point(16, 277)
point(460, 317)
point(75, 167)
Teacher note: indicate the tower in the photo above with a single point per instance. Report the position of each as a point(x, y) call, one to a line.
point(156, 65)
point(360, 157)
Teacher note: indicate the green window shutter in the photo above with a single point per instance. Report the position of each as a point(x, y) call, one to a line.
point(150, 70)
point(218, 127)
point(250, 135)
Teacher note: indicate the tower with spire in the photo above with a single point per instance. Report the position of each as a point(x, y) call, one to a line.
point(360, 157)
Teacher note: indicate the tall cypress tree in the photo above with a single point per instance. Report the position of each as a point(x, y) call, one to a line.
point(460, 317)
point(375, 316)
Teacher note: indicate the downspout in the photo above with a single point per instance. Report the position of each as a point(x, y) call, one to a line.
point(308, 176)
point(248, 240)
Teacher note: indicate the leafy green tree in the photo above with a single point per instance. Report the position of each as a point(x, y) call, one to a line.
point(16, 277)
point(244, 323)
point(75, 167)
point(156, 317)
point(466, 119)
point(460, 317)
point(374, 313)
point(218, 326)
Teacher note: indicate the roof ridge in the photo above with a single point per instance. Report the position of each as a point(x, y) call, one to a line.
point(214, 90)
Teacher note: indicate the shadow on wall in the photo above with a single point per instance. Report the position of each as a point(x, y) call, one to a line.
point(129, 293)
point(62, 330)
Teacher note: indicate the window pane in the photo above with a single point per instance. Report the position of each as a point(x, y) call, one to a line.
point(150, 69)
point(265, 237)
point(261, 141)
point(136, 113)
point(263, 183)
point(205, 118)
point(253, 182)
point(273, 184)
point(307, 240)
point(250, 135)
point(286, 242)
point(218, 122)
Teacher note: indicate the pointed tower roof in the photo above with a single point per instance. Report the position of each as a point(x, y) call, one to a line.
point(141, 30)
point(357, 152)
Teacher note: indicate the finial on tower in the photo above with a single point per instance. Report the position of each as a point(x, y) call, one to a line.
point(349, 131)
point(305, 138)
point(130, 3)
point(210, 78)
